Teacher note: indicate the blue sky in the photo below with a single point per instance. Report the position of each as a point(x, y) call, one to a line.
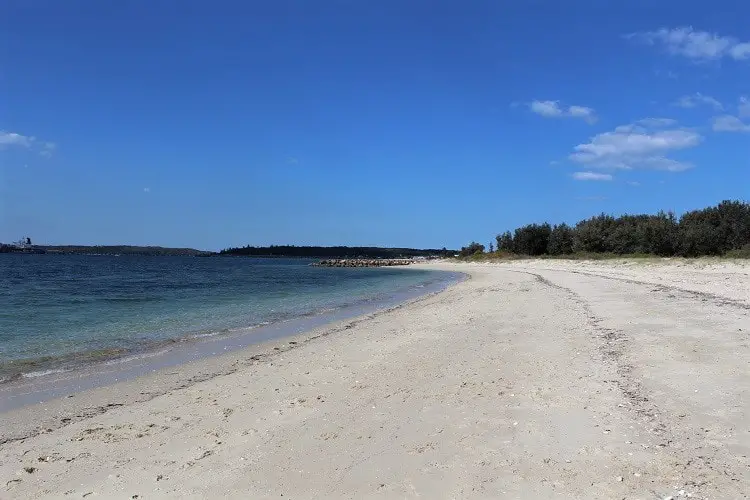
point(399, 123)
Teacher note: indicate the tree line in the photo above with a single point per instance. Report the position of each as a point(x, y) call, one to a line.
point(335, 252)
point(719, 230)
point(106, 250)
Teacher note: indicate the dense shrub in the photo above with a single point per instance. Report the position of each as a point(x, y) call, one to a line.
point(504, 242)
point(560, 240)
point(594, 234)
point(532, 239)
point(715, 230)
point(720, 230)
point(658, 234)
point(472, 249)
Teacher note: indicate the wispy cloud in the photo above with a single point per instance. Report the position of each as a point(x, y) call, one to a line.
point(644, 144)
point(591, 176)
point(744, 107)
point(147, 190)
point(740, 51)
point(15, 140)
point(729, 123)
point(655, 122)
point(633, 183)
point(694, 45)
point(666, 74)
point(47, 149)
point(553, 109)
point(10, 139)
point(583, 112)
point(692, 101)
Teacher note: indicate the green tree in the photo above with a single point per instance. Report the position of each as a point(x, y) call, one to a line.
point(532, 239)
point(700, 233)
point(593, 235)
point(560, 240)
point(472, 249)
point(504, 241)
point(658, 234)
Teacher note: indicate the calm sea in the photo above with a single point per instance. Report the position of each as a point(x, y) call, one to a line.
point(58, 311)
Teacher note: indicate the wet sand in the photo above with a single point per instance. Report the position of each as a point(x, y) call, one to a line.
point(532, 379)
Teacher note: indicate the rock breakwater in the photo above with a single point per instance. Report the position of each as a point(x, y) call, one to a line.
point(362, 262)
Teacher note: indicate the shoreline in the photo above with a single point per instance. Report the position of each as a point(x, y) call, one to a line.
point(523, 381)
point(182, 349)
point(177, 364)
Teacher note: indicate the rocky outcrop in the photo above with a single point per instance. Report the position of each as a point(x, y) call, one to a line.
point(362, 262)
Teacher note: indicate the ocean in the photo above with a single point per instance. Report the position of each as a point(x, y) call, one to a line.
point(60, 312)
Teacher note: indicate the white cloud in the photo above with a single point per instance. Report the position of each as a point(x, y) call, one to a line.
point(9, 139)
point(582, 112)
point(696, 45)
point(47, 149)
point(591, 176)
point(643, 144)
point(655, 122)
point(553, 109)
point(729, 123)
point(667, 164)
point(741, 51)
point(744, 107)
point(546, 108)
point(691, 101)
point(147, 190)
point(12, 139)
point(633, 183)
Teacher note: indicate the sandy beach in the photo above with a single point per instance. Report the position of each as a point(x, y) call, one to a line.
point(530, 379)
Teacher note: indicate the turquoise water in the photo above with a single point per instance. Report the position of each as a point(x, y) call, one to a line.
point(61, 311)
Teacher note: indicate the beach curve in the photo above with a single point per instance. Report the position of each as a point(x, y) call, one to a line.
point(530, 380)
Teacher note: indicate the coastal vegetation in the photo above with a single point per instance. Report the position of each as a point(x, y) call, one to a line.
point(336, 252)
point(721, 230)
point(123, 250)
point(472, 249)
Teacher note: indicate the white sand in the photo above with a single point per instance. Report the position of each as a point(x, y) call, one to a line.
point(534, 379)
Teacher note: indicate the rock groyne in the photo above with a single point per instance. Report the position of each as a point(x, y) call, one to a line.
point(362, 262)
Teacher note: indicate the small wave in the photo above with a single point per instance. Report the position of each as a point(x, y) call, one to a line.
point(223, 331)
point(204, 335)
point(135, 357)
point(42, 373)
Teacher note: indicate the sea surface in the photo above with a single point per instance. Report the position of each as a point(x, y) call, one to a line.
point(60, 312)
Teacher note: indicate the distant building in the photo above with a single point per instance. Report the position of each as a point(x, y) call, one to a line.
point(24, 245)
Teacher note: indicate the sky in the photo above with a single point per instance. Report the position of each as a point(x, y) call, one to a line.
point(414, 123)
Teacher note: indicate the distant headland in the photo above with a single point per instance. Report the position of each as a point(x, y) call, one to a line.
point(336, 252)
point(25, 245)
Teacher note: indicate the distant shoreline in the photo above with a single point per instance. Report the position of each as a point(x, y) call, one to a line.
point(29, 381)
point(273, 251)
